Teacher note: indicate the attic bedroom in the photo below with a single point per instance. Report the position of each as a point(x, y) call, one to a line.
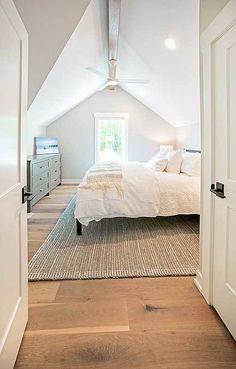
point(114, 104)
point(124, 118)
point(118, 169)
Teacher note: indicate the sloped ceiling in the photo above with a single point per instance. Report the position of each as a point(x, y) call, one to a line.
point(49, 24)
point(69, 83)
point(173, 91)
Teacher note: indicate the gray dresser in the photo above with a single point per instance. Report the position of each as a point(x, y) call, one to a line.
point(43, 174)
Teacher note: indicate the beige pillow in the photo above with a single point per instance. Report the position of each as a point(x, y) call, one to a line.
point(174, 161)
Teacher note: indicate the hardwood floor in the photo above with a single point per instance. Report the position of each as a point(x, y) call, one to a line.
point(140, 323)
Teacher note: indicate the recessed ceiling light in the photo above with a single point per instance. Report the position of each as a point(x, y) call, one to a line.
point(170, 43)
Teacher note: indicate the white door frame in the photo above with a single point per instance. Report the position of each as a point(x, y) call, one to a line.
point(16, 326)
point(221, 24)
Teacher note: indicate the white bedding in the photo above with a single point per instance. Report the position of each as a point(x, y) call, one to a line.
point(147, 193)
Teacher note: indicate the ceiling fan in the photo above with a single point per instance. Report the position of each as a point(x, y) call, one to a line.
point(111, 80)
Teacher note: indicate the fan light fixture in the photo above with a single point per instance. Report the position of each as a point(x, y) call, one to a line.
point(170, 43)
point(112, 83)
point(111, 80)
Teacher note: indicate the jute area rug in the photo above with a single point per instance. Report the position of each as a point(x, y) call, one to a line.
point(118, 248)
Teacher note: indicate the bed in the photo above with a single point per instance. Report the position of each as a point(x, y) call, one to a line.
point(145, 193)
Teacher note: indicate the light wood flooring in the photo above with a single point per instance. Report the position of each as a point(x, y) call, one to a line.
point(140, 323)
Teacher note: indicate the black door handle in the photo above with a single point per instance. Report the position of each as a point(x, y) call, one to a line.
point(25, 194)
point(218, 189)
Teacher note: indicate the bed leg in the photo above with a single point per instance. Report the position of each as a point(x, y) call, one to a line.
point(78, 228)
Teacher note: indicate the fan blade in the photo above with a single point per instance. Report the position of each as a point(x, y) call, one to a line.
point(132, 80)
point(97, 72)
point(104, 85)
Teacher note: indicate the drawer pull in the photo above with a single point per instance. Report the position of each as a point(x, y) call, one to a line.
point(55, 171)
point(55, 161)
point(41, 190)
point(40, 167)
point(40, 179)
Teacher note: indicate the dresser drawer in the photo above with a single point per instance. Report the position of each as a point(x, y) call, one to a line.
point(55, 172)
point(55, 162)
point(38, 168)
point(42, 188)
point(55, 182)
point(40, 179)
point(39, 192)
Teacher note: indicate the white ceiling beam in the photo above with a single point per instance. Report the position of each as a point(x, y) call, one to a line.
point(114, 23)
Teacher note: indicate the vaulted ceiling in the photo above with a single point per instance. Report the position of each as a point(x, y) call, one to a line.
point(49, 23)
point(173, 90)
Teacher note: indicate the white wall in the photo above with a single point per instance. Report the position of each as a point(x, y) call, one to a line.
point(75, 131)
point(209, 10)
point(188, 137)
point(33, 131)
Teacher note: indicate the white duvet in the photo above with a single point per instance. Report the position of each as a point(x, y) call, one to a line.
point(147, 193)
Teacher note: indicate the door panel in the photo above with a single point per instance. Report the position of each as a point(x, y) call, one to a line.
point(224, 271)
point(230, 267)
point(13, 242)
point(231, 86)
point(10, 235)
point(10, 46)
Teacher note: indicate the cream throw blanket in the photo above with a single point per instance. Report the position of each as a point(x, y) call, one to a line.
point(103, 176)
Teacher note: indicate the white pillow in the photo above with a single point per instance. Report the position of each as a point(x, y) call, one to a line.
point(174, 161)
point(158, 164)
point(191, 164)
point(161, 154)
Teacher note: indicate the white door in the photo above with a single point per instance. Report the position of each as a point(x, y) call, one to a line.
point(224, 239)
point(13, 222)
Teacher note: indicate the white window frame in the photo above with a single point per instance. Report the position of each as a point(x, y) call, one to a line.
point(100, 116)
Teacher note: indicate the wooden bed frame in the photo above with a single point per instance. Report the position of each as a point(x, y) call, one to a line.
point(79, 225)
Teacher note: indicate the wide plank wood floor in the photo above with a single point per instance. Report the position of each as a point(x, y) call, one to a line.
point(140, 323)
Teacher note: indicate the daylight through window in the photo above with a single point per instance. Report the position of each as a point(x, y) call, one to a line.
point(111, 138)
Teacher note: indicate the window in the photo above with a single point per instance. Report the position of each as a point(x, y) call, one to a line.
point(111, 136)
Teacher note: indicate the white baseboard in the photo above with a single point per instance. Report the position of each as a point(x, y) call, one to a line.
point(198, 280)
point(71, 181)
